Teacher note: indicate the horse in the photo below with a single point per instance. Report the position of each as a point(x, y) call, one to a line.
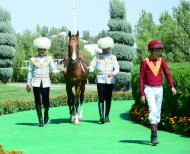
point(75, 77)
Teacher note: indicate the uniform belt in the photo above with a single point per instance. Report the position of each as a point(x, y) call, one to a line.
point(103, 73)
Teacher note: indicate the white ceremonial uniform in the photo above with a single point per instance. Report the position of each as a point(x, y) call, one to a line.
point(38, 71)
point(104, 64)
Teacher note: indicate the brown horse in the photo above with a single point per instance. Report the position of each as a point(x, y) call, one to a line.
point(75, 77)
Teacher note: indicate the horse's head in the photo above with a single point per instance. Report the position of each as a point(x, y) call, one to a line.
point(73, 45)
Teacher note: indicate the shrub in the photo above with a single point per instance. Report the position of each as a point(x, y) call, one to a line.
point(119, 24)
point(122, 37)
point(121, 32)
point(125, 66)
point(123, 53)
point(7, 51)
point(173, 106)
point(123, 81)
point(7, 44)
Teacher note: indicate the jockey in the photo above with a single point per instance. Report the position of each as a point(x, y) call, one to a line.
point(151, 84)
point(107, 67)
point(38, 77)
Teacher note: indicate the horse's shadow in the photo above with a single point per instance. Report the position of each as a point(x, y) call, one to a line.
point(145, 142)
point(59, 121)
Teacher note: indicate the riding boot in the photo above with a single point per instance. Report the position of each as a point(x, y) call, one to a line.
point(39, 113)
point(153, 137)
point(46, 115)
point(108, 106)
point(101, 112)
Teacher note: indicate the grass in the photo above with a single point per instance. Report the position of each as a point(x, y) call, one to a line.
point(12, 92)
point(20, 131)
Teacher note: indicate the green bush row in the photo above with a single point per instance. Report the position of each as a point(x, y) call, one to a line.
point(12, 106)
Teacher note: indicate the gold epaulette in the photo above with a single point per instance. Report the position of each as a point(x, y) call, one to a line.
point(36, 62)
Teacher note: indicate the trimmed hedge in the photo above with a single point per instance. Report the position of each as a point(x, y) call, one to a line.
point(5, 15)
point(174, 107)
point(122, 37)
point(125, 66)
point(123, 52)
point(12, 106)
point(8, 39)
point(122, 80)
point(6, 74)
point(117, 9)
point(5, 63)
point(119, 25)
point(6, 27)
point(7, 51)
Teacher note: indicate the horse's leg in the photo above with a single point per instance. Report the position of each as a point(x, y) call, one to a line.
point(70, 101)
point(81, 100)
point(77, 94)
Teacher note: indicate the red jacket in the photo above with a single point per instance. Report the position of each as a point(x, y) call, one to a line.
point(151, 73)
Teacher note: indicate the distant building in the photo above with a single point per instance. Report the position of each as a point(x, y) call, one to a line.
point(92, 48)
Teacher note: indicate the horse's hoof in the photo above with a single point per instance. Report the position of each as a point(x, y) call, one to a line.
point(72, 119)
point(77, 122)
point(80, 117)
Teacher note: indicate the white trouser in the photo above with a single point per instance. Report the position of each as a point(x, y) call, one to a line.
point(154, 96)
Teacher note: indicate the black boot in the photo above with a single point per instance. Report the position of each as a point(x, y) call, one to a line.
point(153, 136)
point(39, 113)
point(101, 112)
point(154, 139)
point(108, 106)
point(46, 115)
point(107, 118)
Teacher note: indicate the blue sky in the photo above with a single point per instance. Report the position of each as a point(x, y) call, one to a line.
point(91, 15)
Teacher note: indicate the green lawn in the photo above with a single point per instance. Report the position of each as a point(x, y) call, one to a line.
point(12, 92)
point(20, 131)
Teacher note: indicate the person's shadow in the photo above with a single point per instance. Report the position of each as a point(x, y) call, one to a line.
point(145, 142)
point(27, 124)
point(125, 116)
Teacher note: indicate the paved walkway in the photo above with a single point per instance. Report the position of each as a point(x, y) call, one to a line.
point(19, 131)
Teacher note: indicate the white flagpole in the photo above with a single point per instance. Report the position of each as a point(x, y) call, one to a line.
point(74, 17)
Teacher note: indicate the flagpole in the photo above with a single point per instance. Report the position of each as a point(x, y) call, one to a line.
point(74, 17)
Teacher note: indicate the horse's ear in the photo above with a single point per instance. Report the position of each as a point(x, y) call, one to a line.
point(69, 34)
point(77, 33)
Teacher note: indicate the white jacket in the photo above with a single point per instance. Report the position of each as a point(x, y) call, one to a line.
point(38, 71)
point(104, 64)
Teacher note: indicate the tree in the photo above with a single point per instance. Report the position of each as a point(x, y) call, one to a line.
point(182, 15)
point(144, 32)
point(7, 46)
point(121, 32)
point(174, 39)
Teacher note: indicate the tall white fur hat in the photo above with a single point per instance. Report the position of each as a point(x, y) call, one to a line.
point(105, 43)
point(42, 43)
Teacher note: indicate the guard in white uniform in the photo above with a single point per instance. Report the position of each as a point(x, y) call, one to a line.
point(38, 77)
point(107, 67)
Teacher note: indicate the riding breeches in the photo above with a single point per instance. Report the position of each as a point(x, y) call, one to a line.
point(154, 97)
